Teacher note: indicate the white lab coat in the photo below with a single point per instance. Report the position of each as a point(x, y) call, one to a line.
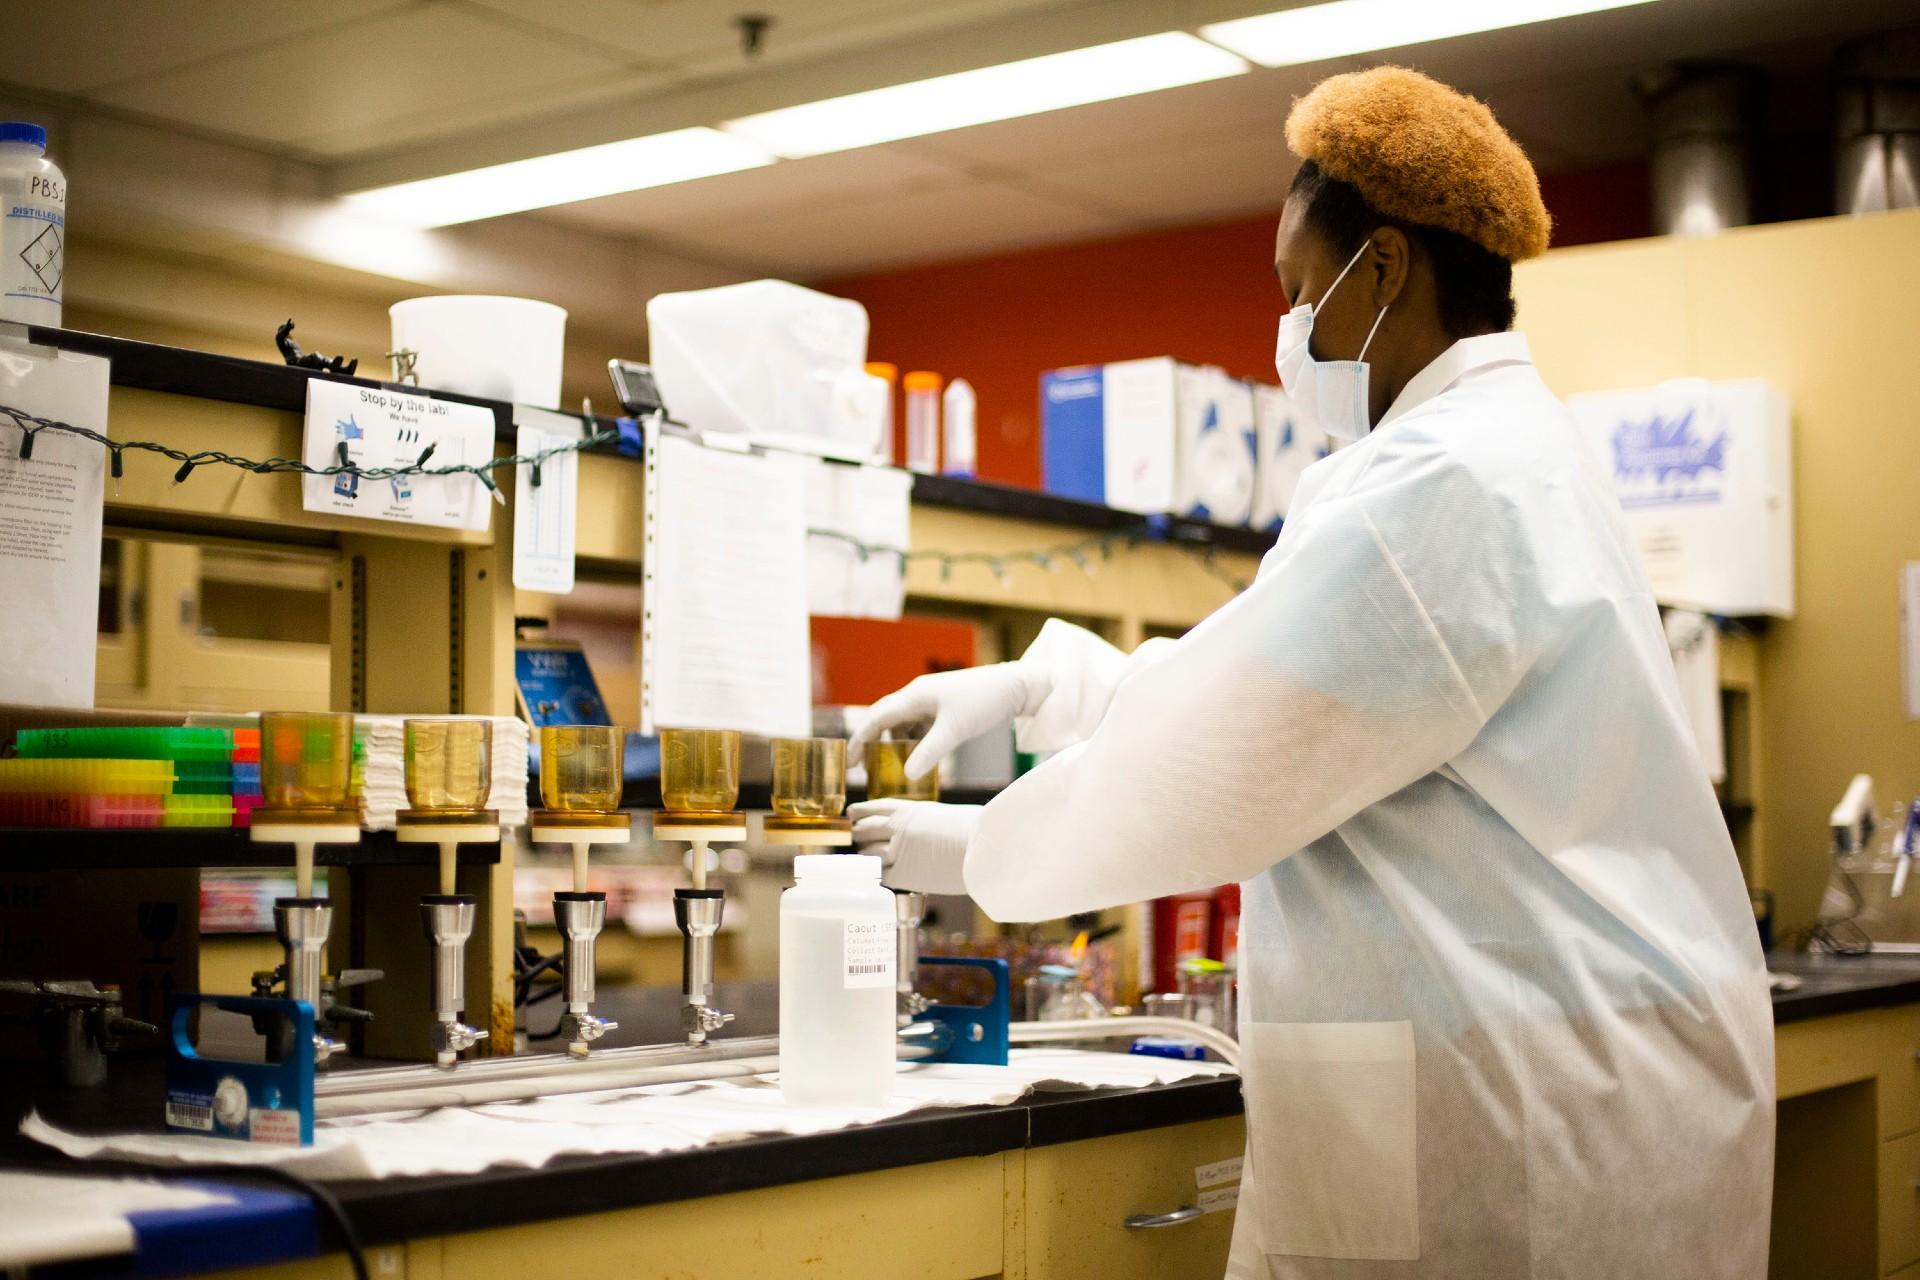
point(1503, 1008)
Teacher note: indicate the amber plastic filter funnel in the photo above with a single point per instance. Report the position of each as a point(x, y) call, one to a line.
point(306, 761)
point(581, 766)
point(699, 770)
point(887, 772)
point(449, 765)
point(809, 777)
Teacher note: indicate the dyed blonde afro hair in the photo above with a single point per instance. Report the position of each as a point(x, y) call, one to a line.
point(1423, 153)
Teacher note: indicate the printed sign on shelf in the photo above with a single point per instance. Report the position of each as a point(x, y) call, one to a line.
point(383, 427)
point(50, 515)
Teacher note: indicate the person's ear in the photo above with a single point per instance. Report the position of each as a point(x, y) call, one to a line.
point(1391, 258)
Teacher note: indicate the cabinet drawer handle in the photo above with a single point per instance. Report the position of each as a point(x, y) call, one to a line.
point(1150, 1221)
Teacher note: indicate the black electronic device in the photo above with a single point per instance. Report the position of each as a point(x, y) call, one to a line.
point(638, 390)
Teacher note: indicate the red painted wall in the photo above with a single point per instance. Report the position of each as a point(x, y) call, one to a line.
point(1204, 294)
point(859, 661)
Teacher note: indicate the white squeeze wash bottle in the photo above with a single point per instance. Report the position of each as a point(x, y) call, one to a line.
point(33, 227)
point(836, 983)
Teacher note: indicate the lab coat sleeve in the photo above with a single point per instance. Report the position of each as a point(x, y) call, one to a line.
point(1081, 672)
point(1327, 685)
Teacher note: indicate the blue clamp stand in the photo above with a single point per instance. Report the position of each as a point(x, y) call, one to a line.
point(981, 1033)
point(244, 1101)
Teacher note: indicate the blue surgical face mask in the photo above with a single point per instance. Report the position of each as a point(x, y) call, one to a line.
point(1327, 395)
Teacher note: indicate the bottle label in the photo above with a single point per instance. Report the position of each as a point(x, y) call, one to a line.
point(33, 250)
point(868, 955)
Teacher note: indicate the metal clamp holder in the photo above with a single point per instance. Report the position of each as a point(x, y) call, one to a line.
point(981, 1033)
point(580, 916)
point(448, 922)
point(698, 913)
point(247, 1101)
point(909, 909)
point(79, 1024)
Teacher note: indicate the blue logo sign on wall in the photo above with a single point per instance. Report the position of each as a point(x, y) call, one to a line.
point(1670, 458)
point(556, 685)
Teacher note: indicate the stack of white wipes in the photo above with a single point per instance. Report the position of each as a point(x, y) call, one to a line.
point(651, 1118)
point(384, 788)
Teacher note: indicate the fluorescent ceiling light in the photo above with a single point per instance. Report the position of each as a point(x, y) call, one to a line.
point(562, 178)
point(1005, 92)
point(1319, 31)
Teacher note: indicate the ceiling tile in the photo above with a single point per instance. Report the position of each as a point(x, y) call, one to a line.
point(702, 36)
point(422, 61)
point(1203, 178)
point(76, 46)
point(824, 238)
point(1256, 102)
point(436, 122)
point(873, 175)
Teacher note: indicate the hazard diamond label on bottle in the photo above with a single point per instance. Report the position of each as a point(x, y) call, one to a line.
point(46, 258)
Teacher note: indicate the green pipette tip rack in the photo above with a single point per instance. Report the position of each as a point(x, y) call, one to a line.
point(126, 743)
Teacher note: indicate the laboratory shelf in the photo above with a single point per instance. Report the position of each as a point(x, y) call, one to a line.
point(148, 366)
point(758, 796)
point(1047, 508)
point(182, 371)
point(60, 849)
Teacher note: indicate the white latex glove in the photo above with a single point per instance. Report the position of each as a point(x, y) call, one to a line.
point(961, 705)
point(922, 845)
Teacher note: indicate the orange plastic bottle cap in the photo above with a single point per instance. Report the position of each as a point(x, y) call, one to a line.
point(923, 381)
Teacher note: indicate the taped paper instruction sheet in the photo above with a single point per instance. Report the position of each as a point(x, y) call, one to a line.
point(383, 427)
point(724, 633)
point(543, 514)
point(50, 526)
point(849, 507)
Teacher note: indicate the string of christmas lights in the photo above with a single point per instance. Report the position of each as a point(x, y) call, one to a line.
point(1084, 554)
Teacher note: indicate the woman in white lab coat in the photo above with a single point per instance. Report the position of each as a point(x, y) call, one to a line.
point(1503, 1010)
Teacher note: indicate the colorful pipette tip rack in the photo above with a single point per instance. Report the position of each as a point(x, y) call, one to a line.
point(103, 777)
point(132, 776)
point(246, 776)
point(113, 742)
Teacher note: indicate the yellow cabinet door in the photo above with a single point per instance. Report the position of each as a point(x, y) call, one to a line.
point(1080, 1194)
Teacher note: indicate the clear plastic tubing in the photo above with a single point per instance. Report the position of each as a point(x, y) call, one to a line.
point(836, 983)
point(33, 227)
point(923, 422)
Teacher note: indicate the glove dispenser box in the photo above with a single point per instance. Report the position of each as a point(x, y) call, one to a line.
point(1286, 449)
point(1151, 436)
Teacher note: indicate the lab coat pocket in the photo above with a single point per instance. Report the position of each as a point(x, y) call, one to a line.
point(1330, 1110)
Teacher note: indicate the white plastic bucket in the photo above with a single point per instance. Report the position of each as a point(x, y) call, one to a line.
point(497, 348)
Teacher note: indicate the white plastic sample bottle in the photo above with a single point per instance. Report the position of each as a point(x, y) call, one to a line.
point(923, 422)
point(957, 422)
point(33, 227)
point(837, 952)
